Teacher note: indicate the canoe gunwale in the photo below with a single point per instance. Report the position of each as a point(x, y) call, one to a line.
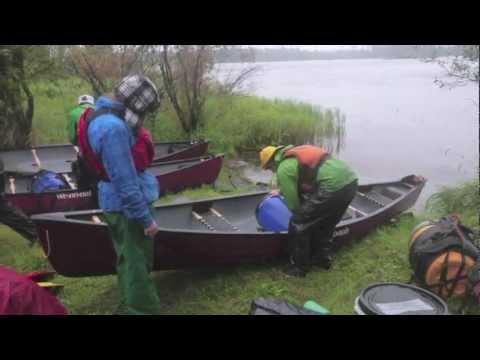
point(191, 146)
point(197, 158)
point(57, 146)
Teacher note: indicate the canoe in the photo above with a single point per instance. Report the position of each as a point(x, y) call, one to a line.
point(172, 176)
point(58, 158)
point(213, 232)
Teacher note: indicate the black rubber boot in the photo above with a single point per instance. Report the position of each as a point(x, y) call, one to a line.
point(324, 261)
point(295, 271)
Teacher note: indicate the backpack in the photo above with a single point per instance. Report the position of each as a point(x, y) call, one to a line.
point(441, 255)
point(474, 282)
point(48, 181)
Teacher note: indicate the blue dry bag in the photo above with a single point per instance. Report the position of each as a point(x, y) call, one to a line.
point(47, 181)
point(273, 214)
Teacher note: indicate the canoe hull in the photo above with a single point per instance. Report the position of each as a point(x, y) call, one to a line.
point(193, 150)
point(204, 173)
point(64, 240)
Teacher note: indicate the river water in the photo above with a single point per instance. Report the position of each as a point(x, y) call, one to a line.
point(398, 122)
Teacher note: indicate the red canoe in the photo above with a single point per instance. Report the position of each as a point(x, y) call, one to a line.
point(211, 232)
point(172, 176)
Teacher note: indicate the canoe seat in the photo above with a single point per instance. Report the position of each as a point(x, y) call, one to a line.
point(349, 214)
point(382, 199)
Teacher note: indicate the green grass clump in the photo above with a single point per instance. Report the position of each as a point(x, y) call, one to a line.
point(248, 123)
point(463, 199)
point(53, 101)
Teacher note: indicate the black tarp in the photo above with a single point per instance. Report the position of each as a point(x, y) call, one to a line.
point(269, 306)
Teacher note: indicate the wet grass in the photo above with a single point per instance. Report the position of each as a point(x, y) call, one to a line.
point(463, 199)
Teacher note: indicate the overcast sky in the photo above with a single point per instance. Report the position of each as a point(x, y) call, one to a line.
point(315, 47)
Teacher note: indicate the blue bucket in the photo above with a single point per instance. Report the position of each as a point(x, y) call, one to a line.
point(273, 214)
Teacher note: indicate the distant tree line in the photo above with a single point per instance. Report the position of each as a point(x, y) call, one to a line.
point(240, 54)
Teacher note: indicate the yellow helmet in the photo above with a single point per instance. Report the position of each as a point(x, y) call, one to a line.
point(267, 154)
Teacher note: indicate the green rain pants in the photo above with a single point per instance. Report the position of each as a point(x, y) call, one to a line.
point(134, 264)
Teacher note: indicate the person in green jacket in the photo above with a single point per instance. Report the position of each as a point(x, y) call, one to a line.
point(318, 189)
point(84, 101)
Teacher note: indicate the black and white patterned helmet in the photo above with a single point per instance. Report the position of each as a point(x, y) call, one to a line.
point(139, 95)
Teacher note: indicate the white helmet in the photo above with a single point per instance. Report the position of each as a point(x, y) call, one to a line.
point(86, 99)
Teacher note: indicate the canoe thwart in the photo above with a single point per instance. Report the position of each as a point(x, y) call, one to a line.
point(202, 220)
point(216, 213)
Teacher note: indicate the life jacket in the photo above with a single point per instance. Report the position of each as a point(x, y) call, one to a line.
point(143, 151)
point(309, 158)
point(441, 255)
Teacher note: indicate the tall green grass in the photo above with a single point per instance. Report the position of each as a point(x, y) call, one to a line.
point(232, 124)
point(53, 102)
point(247, 123)
point(463, 199)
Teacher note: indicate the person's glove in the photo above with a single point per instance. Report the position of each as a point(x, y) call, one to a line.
point(275, 192)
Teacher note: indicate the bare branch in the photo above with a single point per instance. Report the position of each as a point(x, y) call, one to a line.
point(170, 87)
